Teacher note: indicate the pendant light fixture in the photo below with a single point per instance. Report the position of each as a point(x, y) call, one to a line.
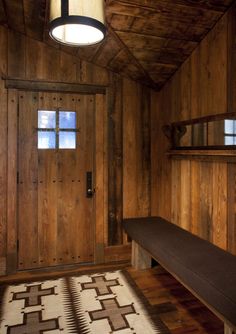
point(77, 22)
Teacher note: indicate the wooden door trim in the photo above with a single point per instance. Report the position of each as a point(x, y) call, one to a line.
point(52, 86)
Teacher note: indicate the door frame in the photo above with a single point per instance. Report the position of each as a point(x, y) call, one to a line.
point(100, 166)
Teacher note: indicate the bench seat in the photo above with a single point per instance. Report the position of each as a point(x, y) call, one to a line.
point(208, 271)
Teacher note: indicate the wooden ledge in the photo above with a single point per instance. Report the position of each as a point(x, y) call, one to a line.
point(204, 155)
point(52, 86)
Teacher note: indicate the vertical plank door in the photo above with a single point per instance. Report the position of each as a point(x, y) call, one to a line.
point(55, 215)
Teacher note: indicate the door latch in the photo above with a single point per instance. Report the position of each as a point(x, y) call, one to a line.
point(89, 186)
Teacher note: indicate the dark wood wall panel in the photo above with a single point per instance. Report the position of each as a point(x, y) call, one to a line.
point(201, 193)
point(3, 176)
point(12, 180)
point(115, 158)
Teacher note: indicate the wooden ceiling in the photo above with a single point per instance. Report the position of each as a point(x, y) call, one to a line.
point(147, 40)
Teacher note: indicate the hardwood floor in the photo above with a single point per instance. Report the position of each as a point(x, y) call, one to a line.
point(181, 312)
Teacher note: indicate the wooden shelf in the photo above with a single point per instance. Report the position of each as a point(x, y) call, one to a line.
point(207, 155)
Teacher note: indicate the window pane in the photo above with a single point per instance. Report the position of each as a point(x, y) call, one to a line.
point(46, 119)
point(229, 140)
point(46, 139)
point(229, 126)
point(67, 119)
point(67, 139)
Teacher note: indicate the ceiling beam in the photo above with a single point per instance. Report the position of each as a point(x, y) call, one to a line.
point(180, 3)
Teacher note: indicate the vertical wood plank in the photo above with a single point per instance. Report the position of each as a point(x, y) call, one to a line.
point(3, 50)
point(213, 55)
point(195, 196)
point(100, 165)
point(68, 67)
point(185, 90)
point(66, 206)
point(16, 55)
point(219, 216)
point(115, 156)
point(156, 99)
point(145, 133)
point(3, 177)
point(231, 208)
point(89, 158)
point(51, 63)
point(28, 256)
point(185, 203)
point(160, 162)
point(34, 59)
point(3, 153)
point(195, 84)
point(90, 73)
point(136, 147)
point(231, 59)
point(47, 194)
point(176, 192)
point(206, 201)
point(12, 182)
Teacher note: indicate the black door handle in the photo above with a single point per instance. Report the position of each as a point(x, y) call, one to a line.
point(89, 185)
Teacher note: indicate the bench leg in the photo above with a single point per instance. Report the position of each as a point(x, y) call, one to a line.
point(140, 258)
point(228, 330)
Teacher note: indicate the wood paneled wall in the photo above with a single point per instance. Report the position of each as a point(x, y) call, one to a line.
point(123, 141)
point(136, 146)
point(135, 177)
point(200, 196)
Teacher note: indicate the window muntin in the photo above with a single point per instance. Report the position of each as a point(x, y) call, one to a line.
point(56, 129)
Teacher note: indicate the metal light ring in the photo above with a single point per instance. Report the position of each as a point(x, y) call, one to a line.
point(76, 19)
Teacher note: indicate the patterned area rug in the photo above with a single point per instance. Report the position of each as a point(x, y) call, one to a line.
point(100, 303)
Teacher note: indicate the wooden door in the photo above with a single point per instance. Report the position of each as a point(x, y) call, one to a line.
point(55, 213)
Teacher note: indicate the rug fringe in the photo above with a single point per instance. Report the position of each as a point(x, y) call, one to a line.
point(81, 324)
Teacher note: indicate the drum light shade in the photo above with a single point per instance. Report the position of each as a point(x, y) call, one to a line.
point(77, 22)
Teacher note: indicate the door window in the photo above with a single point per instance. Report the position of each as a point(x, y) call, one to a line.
point(56, 129)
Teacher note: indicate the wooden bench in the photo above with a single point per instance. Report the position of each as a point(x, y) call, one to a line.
point(206, 270)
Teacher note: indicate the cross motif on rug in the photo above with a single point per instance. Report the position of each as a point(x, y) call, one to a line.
point(33, 324)
point(33, 295)
point(114, 313)
point(101, 285)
